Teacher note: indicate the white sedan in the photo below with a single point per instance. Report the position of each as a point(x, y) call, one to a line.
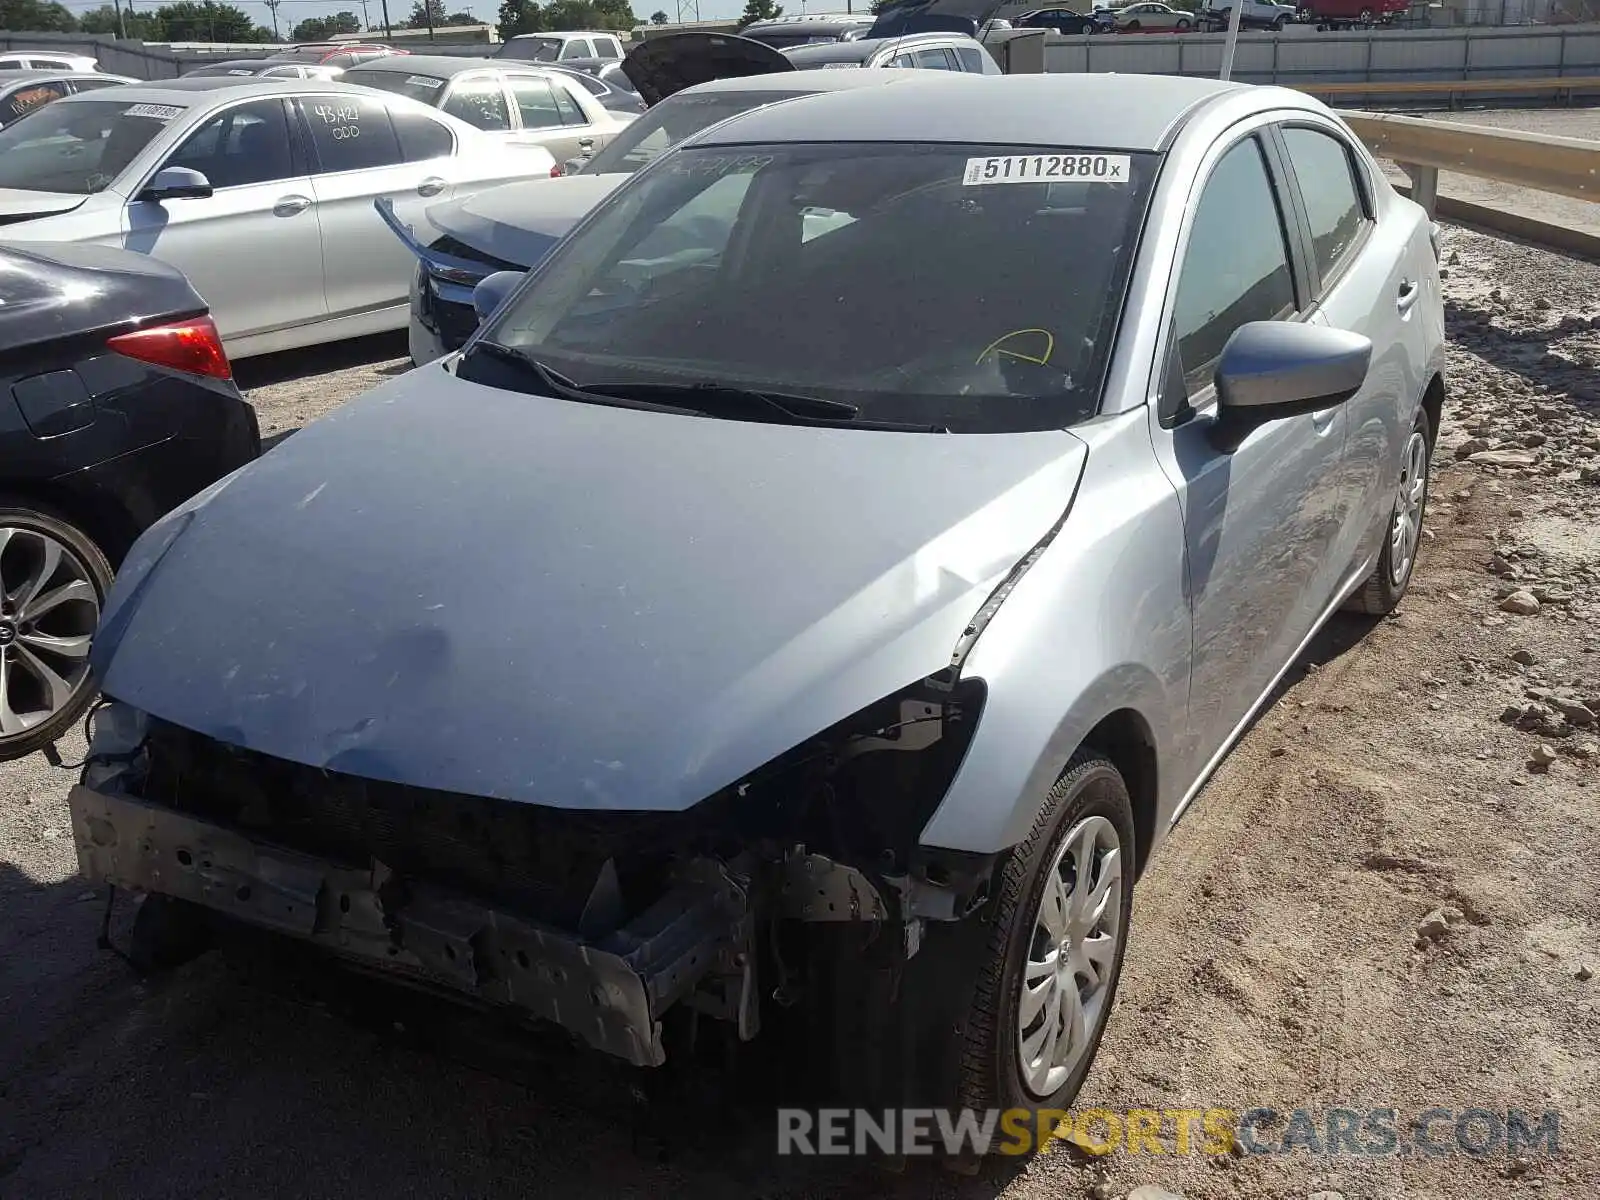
point(261, 191)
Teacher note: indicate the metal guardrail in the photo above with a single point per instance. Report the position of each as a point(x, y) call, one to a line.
point(1561, 87)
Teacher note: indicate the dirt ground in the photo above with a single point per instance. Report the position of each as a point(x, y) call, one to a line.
point(1388, 897)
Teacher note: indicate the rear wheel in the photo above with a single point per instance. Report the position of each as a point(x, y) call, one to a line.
point(1055, 951)
point(1398, 559)
point(53, 580)
point(1131, 25)
point(1364, 18)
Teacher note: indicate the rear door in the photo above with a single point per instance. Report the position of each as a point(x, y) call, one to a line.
point(1367, 279)
point(358, 153)
point(251, 249)
point(559, 115)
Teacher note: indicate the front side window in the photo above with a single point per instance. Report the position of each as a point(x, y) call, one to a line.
point(536, 102)
point(351, 133)
point(1236, 268)
point(244, 145)
point(24, 100)
point(607, 48)
point(971, 59)
point(933, 60)
point(785, 268)
point(577, 48)
point(481, 103)
point(1334, 204)
point(79, 146)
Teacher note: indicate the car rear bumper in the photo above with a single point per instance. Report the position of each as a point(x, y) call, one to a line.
point(611, 992)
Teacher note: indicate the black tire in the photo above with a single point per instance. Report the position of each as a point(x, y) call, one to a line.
point(1181, 26)
point(1278, 25)
point(1382, 592)
point(1364, 18)
point(991, 1066)
point(34, 518)
point(1131, 25)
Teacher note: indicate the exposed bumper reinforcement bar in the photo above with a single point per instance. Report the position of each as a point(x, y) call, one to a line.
point(611, 992)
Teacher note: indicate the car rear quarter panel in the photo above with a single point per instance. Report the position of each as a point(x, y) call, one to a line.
point(1098, 624)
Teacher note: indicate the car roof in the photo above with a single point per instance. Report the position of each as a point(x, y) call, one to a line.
point(564, 33)
point(1092, 111)
point(798, 81)
point(442, 65)
point(863, 48)
point(8, 78)
point(181, 91)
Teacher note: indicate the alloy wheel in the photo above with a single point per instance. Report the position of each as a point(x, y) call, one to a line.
point(1406, 530)
point(1077, 930)
point(49, 607)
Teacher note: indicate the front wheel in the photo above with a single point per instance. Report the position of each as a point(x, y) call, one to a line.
point(1277, 26)
point(1383, 590)
point(1055, 949)
point(53, 580)
point(1181, 26)
point(1133, 25)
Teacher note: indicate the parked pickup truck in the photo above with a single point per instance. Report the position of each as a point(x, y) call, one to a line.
point(1256, 14)
point(1342, 14)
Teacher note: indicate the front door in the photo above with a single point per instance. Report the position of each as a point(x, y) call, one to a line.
point(252, 248)
point(1259, 522)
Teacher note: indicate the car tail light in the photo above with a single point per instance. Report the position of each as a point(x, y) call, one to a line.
point(193, 346)
point(555, 170)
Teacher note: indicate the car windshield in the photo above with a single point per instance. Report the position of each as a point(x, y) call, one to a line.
point(532, 49)
point(221, 69)
point(78, 146)
point(404, 83)
point(786, 268)
point(651, 135)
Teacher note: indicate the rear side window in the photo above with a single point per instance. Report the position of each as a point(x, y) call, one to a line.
point(971, 59)
point(351, 133)
point(1236, 268)
point(479, 102)
point(421, 137)
point(536, 101)
point(934, 60)
point(1335, 204)
point(577, 48)
point(94, 85)
point(571, 111)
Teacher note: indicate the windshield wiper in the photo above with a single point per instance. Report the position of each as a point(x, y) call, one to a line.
point(563, 388)
point(750, 404)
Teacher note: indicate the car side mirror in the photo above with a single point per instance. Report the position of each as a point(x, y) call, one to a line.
point(177, 183)
point(1272, 370)
point(492, 291)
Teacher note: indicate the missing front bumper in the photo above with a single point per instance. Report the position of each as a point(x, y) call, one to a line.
point(611, 992)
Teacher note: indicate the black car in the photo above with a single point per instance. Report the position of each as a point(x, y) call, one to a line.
point(118, 405)
point(1066, 20)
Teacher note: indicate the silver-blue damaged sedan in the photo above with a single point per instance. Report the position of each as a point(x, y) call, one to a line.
point(829, 610)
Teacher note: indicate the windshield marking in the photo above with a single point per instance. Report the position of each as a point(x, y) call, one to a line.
point(426, 81)
point(158, 112)
point(1031, 168)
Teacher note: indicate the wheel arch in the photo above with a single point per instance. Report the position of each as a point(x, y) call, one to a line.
point(1433, 405)
point(1125, 738)
point(102, 520)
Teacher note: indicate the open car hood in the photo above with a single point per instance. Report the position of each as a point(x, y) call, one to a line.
point(897, 17)
point(661, 66)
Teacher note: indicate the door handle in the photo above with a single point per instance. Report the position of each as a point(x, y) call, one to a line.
point(290, 206)
point(1409, 291)
point(431, 186)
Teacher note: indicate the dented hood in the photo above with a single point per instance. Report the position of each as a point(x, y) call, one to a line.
point(658, 67)
point(452, 586)
point(520, 222)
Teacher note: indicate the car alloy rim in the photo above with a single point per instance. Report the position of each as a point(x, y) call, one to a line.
point(49, 607)
point(1067, 978)
point(1407, 528)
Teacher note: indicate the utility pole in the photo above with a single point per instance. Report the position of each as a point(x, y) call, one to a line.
point(272, 6)
point(366, 25)
point(122, 30)
point(1234, 15)
point(387, 32)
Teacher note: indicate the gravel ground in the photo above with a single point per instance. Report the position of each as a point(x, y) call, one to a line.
point(1388, 897)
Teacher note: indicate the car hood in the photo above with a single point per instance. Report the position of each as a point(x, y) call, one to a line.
point(659, 67)
point(897, 17)
point(458, 587)
point(519, 222)
point(19, 205)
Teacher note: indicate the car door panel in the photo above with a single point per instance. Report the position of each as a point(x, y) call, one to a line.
point(252, 249)
point(558, 116)
point(364, 266)
point(1259, 521)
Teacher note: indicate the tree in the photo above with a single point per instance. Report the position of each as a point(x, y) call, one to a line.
point(759, 10)
point(312, 29)
point(208, 21)
point(460, 17)
point(32, 16)
point(518, 16)
point(658, 17)
point(424, 13)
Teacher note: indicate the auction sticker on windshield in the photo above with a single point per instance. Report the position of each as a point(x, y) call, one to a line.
point(1030, 168)
point(160, 112)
